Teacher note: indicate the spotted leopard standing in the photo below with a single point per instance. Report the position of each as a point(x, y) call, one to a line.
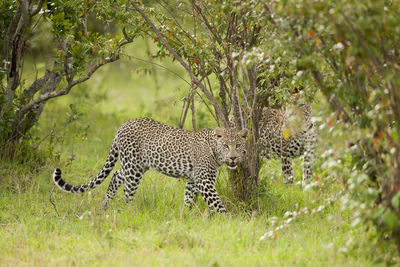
point(144, 143)
point(279, 140)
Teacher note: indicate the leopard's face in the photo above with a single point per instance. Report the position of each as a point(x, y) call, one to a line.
point(231, 146)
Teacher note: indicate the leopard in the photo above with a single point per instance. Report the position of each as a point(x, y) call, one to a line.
point(279, 140)
point(144, 143)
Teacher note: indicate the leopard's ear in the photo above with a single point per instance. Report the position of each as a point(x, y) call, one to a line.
point(243, 133)
point(219, 132)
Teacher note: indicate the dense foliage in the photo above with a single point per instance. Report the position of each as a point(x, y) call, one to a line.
point(351, 49)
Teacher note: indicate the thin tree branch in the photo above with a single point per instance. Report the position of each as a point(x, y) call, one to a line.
point(158, 65)
point(208, 107)
point(193, 114)
point(37, 9)
point(52, 201)
point(174, 16)
point(185, 110)
point(205, 20)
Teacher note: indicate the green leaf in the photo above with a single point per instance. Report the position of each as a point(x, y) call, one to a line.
point(390, 220)
point(395, 136)
point(396, 200)
point(378, 212)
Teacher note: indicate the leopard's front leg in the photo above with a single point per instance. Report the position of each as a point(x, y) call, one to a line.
point(287, 169)
point(205, 182)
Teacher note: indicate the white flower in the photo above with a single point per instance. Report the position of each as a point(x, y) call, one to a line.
point(271, 68)
point(287, 214)
point(235, 54)
point(338, 47)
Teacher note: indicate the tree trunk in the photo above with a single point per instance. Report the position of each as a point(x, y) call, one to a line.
point(244, 180)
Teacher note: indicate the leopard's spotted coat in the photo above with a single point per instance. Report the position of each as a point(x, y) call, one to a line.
point(277, 139)
point(144, 143)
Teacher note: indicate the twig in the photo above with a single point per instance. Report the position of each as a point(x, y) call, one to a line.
point(193, 114)
point(174, 17)
point(205, 20)
point(44, 138)
point(208, 107)
point(153, 68)
point(37, 9)
point(52, 202)
point(185, 110)
point(158, 65)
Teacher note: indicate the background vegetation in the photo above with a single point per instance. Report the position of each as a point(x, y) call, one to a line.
point(347, 215)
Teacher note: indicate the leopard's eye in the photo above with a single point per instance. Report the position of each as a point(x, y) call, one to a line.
point(226, 146)
point(238, 145)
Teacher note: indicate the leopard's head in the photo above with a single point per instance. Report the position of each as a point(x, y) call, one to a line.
point(231, 146)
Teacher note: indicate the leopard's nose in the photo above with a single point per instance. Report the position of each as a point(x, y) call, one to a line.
point(232, 158)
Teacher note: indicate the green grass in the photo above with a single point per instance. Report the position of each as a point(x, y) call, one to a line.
point(156, 229)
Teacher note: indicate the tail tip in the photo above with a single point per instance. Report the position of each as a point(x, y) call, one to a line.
point(57, 174)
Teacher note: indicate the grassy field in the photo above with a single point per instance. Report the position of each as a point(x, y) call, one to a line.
point(156, 230)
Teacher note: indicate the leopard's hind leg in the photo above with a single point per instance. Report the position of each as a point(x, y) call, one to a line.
point(115, 183)
point(133, 176)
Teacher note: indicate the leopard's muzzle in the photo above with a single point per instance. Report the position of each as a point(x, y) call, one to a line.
point(232, 162)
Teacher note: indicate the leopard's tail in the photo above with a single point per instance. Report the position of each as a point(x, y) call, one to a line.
point(96, 181)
